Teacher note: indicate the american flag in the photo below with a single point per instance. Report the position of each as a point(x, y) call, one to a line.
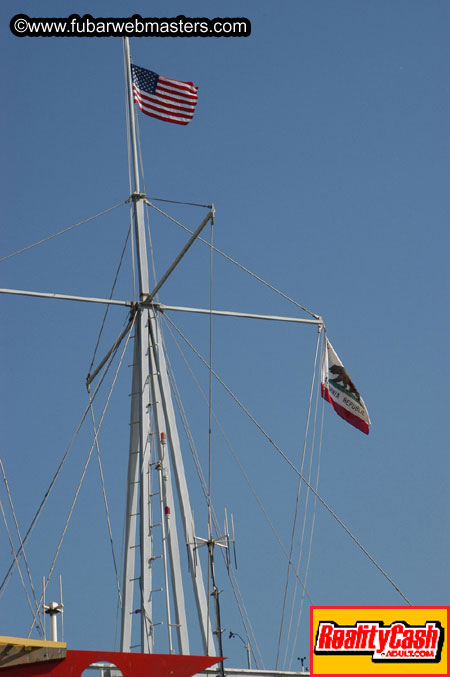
point(163, 98)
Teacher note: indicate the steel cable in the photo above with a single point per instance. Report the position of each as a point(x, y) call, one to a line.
point(295, 469)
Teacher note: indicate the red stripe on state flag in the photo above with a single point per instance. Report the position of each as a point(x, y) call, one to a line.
point(344, 413)
point(338, 389)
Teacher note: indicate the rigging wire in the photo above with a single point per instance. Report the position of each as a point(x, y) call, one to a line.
point(75, 498)
point(179, 202)
point(238, 594)
point(294, 468)
point(305, 515)
point(297, 500)
point(64, 230)
point(11, 504)
point(295, 571)
point(210, 537)
point(105, 500)
point(311, 531)
point(13, 550)
point(105, 315)
point(44, 500)
point(236, 263)
point(240, 466)
point(51, 485)
point(210, 373)
point(233, 580)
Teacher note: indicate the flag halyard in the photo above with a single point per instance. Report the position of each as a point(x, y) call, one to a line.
point(338, 389)
point(163, 98)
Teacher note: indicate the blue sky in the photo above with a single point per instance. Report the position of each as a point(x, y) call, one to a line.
point(322, 140)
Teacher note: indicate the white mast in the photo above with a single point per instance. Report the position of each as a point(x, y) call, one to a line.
point(153, 425)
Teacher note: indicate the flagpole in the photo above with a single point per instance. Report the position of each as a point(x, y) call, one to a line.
point(136, 196)
point(151, 400)
point(137, 541)
point(132, 122)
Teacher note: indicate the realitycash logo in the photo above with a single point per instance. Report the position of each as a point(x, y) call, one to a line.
point(397, 642)
point(379, 640)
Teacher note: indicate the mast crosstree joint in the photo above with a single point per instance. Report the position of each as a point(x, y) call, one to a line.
point(134, 197)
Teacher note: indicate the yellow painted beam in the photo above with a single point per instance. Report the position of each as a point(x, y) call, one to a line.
point(32, 643)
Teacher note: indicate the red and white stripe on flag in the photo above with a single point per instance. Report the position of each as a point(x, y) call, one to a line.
point(164, 98)
point(338, 389)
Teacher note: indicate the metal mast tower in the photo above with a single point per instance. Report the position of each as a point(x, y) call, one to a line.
point(155, 452)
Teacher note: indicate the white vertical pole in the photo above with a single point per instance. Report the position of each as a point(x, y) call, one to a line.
point(182, 490)
point(146, 540)
point(138, 467)
point(151, 389)
point(162, 511)
point(138, 202)
point(131, 517)
point(53, 628)
point(171, 521)
point(53, 609)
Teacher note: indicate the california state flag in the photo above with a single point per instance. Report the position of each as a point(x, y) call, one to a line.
point(339, 390)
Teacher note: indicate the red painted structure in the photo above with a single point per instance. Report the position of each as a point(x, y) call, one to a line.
point(130, 664)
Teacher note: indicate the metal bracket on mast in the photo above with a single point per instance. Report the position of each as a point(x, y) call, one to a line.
point(134, 197)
